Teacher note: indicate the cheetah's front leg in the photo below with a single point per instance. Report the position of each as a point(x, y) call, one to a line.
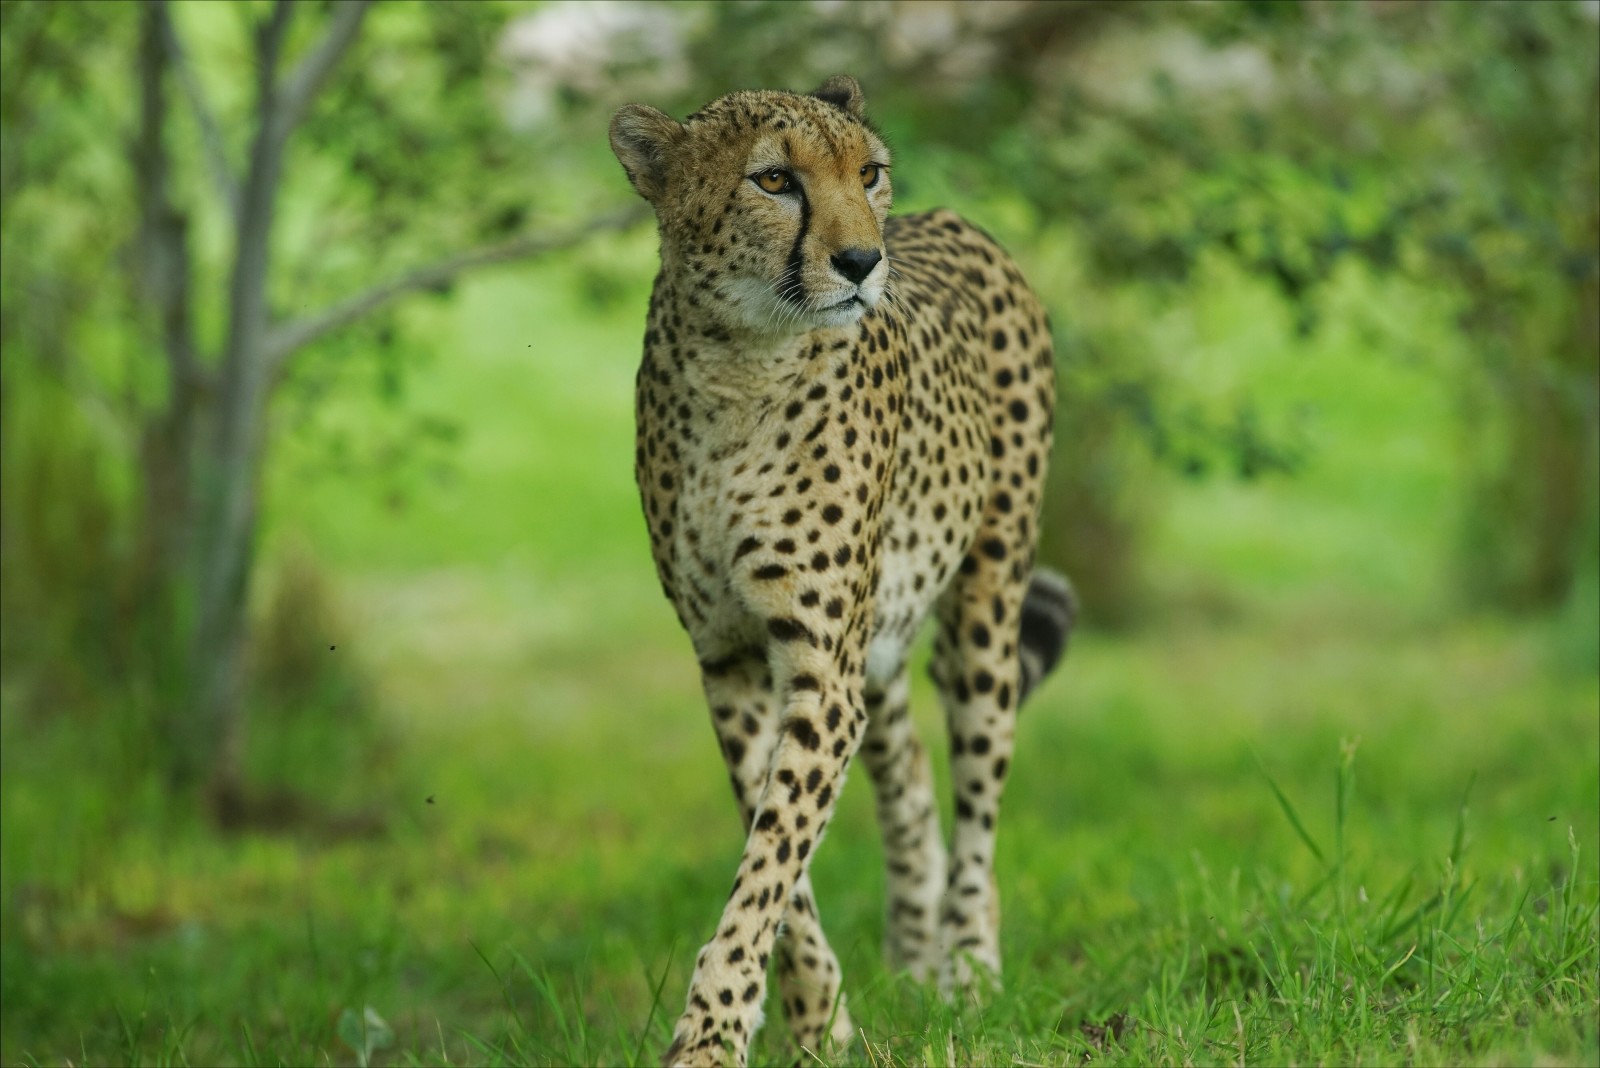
point(822, 725)
point(746, 719)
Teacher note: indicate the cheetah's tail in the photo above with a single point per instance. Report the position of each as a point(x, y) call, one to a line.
point(1049, 609)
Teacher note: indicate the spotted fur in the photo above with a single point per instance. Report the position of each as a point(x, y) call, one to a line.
point(843, 426)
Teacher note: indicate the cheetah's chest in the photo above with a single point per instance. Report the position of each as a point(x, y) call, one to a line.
point(725, 495)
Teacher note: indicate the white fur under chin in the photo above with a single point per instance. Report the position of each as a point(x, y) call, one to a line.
point(766, 314)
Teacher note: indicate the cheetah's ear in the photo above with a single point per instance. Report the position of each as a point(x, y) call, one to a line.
point(640, 136)
point(844, 93)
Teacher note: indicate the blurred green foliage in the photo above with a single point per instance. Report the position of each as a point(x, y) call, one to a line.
point(137, 260)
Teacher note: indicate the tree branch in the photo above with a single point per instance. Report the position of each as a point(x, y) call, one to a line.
point(247, 314)
point(210, 133)
point(301, 86)
point(270, 33)
point(163, 246)
point(286, 339)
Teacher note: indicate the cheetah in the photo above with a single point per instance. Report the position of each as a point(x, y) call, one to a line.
point(843, 426)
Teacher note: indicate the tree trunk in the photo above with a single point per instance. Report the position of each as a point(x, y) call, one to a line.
point(167, 444)
point(227, 475)
point(1545, 492)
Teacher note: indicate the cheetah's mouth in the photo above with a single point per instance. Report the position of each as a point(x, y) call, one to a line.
point(848, 302)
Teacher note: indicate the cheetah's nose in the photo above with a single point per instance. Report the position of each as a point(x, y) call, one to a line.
point(856, 263)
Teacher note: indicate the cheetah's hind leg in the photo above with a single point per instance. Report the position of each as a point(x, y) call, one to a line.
point(997, 638)
point(908, 813)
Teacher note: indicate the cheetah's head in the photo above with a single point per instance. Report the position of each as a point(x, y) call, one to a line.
point(771, 204)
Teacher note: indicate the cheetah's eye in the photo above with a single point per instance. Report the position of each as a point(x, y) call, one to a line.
point(773, 181)
point(869, 175)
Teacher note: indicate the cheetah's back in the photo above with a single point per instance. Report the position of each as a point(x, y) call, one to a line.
point(975, 434)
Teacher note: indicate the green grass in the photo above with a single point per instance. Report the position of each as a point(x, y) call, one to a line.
point(1150, 870)
point(1309, 814)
